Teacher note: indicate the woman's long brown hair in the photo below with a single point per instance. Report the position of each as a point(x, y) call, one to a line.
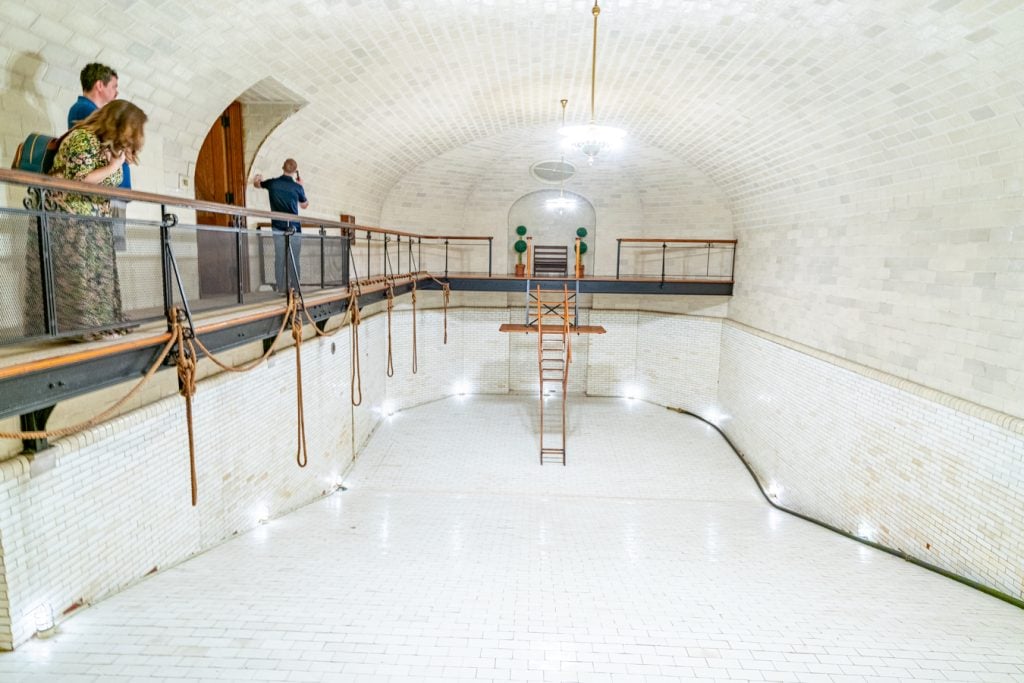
point(119, 127)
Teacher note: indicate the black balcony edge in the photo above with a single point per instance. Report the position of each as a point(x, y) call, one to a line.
point(24, 393)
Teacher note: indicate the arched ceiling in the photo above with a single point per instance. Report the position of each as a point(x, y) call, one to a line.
point(733, 87)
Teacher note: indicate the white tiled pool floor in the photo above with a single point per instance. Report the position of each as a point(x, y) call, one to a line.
point(454, 555)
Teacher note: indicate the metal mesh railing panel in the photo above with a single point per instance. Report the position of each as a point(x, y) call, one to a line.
point(94, 286)
point(680, 262)
point(17, 230)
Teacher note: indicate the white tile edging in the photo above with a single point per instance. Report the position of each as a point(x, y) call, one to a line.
point(990, 415)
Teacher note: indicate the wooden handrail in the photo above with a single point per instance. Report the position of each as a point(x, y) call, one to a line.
point(313, 223)
point(51, 183)
point(155, 339)
point(655, 240)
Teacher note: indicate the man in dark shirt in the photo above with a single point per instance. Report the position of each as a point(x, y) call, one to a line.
point(99, 87)
point(286, 196)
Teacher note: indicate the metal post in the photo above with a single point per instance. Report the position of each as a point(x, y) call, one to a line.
point(261, 255)
point(323, 262)
point(410, 255)
point(368, 250)
point(398, 248)
point(707, 269)
point(576, 306)
point(732, 266)
point(288, 234)
point(446, 258)
point(490, 256)
point(419, 250)
point(385, 261)
point(167, 221)
point(169, 256)
point(527, 321)
point(46, 268)
point(35, 422)
point(664, 248)
point(618, 256)
point(236, 223)
point(291, 266)
point(346, 248)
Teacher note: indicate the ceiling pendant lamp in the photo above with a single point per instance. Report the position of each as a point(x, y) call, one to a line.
point(592, 139)
point(561, 203)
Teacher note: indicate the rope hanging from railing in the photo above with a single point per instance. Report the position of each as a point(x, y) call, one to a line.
point(391, 306)
point(446, 290)
point(102, 416)
point(353, 318)
point(184, 343)
point(414, 361)
point(301, 451)
point(354, 292)
point(186, 356)
point(252, 364)
point(185, 363)
point(355, 371)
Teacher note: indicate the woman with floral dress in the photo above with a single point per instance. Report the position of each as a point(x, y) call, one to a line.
point(87, 294)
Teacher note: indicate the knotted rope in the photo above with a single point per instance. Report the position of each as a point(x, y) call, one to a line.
point(446, 290)
point(186, 367)
point(355, 371)
point(301, 450)
point(414, 362)
point(391, 306)
point(104, 415)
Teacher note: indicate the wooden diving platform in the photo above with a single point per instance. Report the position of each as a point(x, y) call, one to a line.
point(552, 329)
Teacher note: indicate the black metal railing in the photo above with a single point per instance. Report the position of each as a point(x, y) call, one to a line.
point(176, 256)
point(675, 259)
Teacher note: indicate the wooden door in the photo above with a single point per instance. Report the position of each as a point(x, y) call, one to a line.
point(220, 177)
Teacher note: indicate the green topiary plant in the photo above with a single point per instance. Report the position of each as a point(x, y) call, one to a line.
point(520, 245)
point(581, 232)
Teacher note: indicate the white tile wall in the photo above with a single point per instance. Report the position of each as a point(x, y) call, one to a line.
point(117, 504)
point(678, 361)
point(855, 452)
point(860, 454)
point(644, 194)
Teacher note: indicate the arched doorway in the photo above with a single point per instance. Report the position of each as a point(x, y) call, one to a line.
point(220, 177)
point(222, 172)
point(549, 224)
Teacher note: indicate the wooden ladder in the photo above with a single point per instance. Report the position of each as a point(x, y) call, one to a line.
point(554, 354)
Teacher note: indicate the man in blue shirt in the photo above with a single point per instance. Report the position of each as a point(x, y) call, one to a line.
point(99, 86)
point(286, 196)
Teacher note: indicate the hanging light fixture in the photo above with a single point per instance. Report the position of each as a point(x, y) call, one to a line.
point(592, 139)
point(561, 202)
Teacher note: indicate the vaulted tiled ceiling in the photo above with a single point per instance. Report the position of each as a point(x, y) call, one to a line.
point(733, 87)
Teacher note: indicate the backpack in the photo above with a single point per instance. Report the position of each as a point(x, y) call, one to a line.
point(37, 153)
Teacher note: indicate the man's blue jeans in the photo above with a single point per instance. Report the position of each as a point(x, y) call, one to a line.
point(281, 262)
